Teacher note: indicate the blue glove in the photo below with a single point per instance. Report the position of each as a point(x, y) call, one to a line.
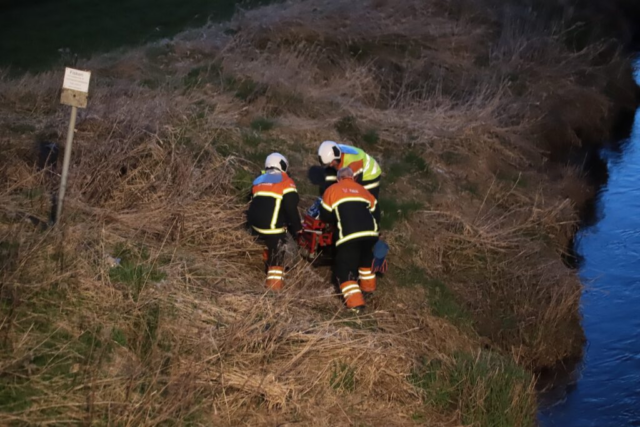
point(314, 210)
point(380, 251)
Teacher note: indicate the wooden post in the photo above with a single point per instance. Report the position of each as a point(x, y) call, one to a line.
point(75, 90)
point(67, 160)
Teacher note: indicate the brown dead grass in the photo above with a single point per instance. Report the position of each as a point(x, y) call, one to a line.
point(463, 85)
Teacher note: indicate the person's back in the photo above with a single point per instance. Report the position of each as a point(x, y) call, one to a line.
point(272, 212)
point(356, 213)
point(353, 208)
point(273, 204)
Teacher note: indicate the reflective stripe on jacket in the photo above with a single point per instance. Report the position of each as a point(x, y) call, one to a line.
point(360, 162)
point(274, 204)
point(353, 208)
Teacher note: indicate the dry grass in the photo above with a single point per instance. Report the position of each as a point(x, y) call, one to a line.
point(460, 96)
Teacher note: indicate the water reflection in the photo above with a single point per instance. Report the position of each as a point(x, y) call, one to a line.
point(606, 389)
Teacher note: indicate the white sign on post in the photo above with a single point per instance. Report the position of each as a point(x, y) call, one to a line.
point(75, 88)
point(75, 91)
point(76, 80)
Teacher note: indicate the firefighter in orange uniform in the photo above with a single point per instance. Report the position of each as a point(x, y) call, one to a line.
point(356, 213)
point(274, 211)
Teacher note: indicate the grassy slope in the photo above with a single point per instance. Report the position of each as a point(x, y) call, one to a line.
point(463, 105)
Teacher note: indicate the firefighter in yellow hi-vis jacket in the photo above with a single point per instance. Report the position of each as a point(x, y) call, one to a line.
point(366, 171)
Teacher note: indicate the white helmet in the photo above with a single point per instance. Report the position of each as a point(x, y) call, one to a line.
point(328, 152)
point(276, 161)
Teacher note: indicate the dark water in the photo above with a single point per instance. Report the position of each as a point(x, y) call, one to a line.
point(606, 392)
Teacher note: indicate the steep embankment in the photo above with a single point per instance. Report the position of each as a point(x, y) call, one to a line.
point(478, 114)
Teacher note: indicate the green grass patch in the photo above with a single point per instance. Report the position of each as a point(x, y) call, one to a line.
point(16, 396)
point(363, 324)
point(151, 83)
point(442, 301)
point(247, 89)
point(203, 74)
point(444, 304)
point(343, 377)
point(57, 355)
point(252, 139)
point(135, 270)
point(262, 124)
point(418, 417)
point(21, 128)
point(9, 252)
point(487, 389)
point(371, 137)
point(409, 164)
point(348, 127)
point(146, 326)
point(223, 148)
point(242, 181)
point(470, 187)
point(393, 211)
point(512, 178)
point(452, 158)
point(282, 101)
point(118, 336)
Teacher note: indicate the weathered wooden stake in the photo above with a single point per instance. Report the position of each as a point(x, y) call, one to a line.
point(75, 89)
point(67, 160)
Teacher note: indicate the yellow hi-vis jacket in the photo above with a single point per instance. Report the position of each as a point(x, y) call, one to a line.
point(365, 168)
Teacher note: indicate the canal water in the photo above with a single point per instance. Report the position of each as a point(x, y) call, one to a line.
point(606, 387)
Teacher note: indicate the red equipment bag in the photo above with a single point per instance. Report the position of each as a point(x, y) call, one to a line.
point(316, 235)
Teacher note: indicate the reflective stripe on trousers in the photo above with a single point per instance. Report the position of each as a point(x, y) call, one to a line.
point(367, 280)
point(352, 294)
point(275, 277)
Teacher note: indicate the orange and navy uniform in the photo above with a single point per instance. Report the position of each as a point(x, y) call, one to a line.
point(356, 213)
point(353, 208)
point(274, 211)
point(274, 205)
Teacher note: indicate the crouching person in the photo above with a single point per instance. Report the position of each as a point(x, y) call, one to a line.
point(274, 211)
point(356, 213)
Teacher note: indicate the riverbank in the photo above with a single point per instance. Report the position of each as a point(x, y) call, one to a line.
point(480, 118)
point(603, 389)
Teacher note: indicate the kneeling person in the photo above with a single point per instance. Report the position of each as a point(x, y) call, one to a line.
point(356, 213)
point(366, 171)
point(274, 211)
